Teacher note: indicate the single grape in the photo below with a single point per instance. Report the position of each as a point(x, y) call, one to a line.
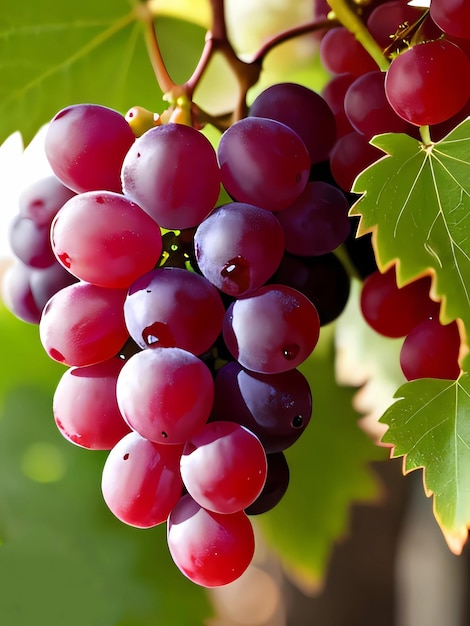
point(424, 84)
point(341, 52)
point(41, 200)
point(350, 156)
point(165, 394)
point(277, 482)
point(452, 16)
point(30, 242)
point(368, 109)
point(272, 330)
point(387, 18)
point(141, 482)
point(238, 247)
point(223, 467)
point(105, 239)
point(83, 324)
point(171, 171)
point(317, 222)
point(276, 407)
point(303, 110)
point(85, 145)
point(211, 549)
point(17, 295)
point(263, 162)
point(93, 419)
point(48, 281)
point(394, 311)
point(334, 93)
point(431, 350)
point(171, 307)
point(323, 279)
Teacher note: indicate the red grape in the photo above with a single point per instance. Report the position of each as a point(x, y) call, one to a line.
point(211, 549)
point(427, 84)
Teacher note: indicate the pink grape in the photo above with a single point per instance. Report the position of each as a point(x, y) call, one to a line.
point(271, 330)
point(171, 171)
point(93, 419)
point(424, 84)
point(85, 145)
point(141, 482)
point(172, 307)
point(105, 239)
point(165, 394)
point(211, 549)
point(238, 247)
point(83, 324)
point(263, 162)
point(224, 467)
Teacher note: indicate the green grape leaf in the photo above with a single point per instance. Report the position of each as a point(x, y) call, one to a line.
point(64, 558)
point(416, 202)
point(429, 427)
point(56, 54)
point(329, 467)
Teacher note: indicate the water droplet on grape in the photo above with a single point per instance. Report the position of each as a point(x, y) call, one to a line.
point(298, 421)
point(164, 434)
point(158, 335)
point(237, 271)
point(291, 351)
point(126, 456)
point(65, 259)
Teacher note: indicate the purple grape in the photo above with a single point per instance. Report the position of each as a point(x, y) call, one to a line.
point(238, 247)
point(275, 407)
point(272, 330)
point(277, 482)
point(303, 110)
point(17, 294)
point(30, 242)
point(171, 171)
point(323, 279)
point(263, 162)
point(317, 222)
point(172, 307)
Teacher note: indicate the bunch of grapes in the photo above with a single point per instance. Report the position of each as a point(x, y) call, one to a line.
point(184, 285)
point(197, 283)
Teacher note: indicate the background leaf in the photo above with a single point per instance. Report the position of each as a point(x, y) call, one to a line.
point(417, 203)
point(429, 426)
point(56, 54)
point(64, 558)
point(330, 470)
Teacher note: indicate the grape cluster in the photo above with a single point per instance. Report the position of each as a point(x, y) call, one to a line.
point(424, 84)
point(430, 349)
point(186, 313)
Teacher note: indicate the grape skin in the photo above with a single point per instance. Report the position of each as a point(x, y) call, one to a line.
point(272, 330)
point(211, 549)
point(141, 482)
point(424, 84)
point(165, 394)
point(223, 467)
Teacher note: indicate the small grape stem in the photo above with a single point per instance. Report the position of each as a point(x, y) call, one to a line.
point(156, 59)
point(425, 135)
point(291, 33)
point(350, 20)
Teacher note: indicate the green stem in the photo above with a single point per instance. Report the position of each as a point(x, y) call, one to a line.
point(164, 80)
point(350, 20)
point(425, 135)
